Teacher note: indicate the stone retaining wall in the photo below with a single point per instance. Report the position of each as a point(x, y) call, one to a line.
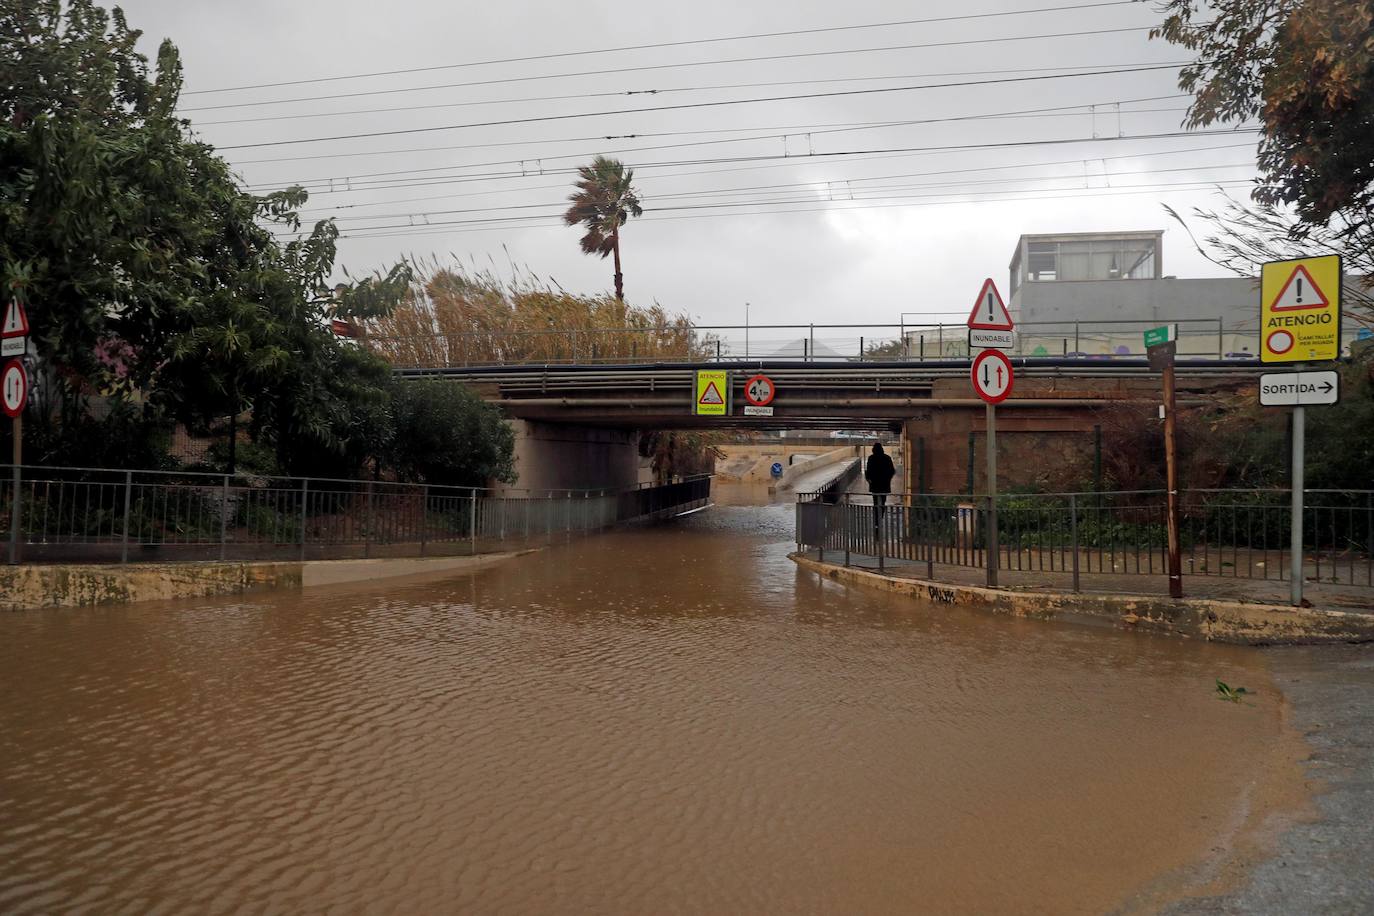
point(1224, 621)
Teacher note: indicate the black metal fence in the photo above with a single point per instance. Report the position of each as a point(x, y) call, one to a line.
point(1224, 533)
point(113, 516)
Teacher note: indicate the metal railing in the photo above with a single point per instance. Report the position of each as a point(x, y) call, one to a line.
point(1241, 534)
point(1200, 338)
point(122, 516)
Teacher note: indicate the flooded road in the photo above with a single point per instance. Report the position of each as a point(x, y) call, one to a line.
point(670, 719)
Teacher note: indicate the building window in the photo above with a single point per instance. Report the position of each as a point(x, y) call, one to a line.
point(1091, 259)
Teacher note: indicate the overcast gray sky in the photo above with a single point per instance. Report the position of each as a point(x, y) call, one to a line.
point(889, 226)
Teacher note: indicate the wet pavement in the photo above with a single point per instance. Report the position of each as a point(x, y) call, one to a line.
point(667, 718)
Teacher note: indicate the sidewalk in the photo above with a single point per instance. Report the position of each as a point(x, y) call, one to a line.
point(1259, 591)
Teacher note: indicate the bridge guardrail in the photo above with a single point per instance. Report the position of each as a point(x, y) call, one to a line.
point(1199, 338)
point(120, 516)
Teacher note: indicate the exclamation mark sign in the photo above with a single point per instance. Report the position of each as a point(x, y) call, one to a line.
point(992, 317)
point(1299, 290)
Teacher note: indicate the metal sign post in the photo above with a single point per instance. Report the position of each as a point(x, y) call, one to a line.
point(1295, 526)
point(992, 378)
point(14, 393)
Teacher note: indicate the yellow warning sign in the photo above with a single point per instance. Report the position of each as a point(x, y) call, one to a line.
point(712, 391)
point(1300, 310)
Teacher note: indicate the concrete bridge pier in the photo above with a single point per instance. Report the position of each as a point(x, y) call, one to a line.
point(568, 456)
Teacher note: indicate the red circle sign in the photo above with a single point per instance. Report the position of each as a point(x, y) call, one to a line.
point(759, 391)
point(14, 388)
point(1279, 342)
point(992, 376)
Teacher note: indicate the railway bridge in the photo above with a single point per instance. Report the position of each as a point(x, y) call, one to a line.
point(577, 423)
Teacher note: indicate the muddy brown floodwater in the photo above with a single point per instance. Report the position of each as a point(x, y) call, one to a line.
point(655, 720)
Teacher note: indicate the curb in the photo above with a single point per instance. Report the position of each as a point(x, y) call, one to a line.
point(1236, 622)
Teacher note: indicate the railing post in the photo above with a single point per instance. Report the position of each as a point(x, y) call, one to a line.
point(879, 533)
point(305, 511)
point(930, 544)
point(812, 349)
point(1221, 344)
point(17, 484)
point(1076, 348)
point(845, 526)
point(472, 521)
point(424, 518)
point(224, 518)
point(1073, 536)
point(128, 498)
point(367, 523)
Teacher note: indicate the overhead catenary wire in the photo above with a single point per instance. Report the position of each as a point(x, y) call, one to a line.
point(439, 181)
point(811, 130)
point(666, 44)
point(655, 67)
point(798, 187)
point(1126, 68)
point(811, 183)
point(440, 229)
point(684, 107)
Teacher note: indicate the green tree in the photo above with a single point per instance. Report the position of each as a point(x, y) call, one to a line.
point(605, 200)
point(446, 434)
point(153, 281)
point(1305, 70)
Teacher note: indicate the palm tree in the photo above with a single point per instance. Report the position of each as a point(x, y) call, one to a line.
point(603, 203)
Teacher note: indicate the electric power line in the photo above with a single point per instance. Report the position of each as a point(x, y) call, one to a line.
point(690, 106)
point(652, 67)
point(664, 44)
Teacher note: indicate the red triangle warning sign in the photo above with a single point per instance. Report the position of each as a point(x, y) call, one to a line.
point(1299, 293)
point(16, 323)
point(989, 313)
point(711, 395)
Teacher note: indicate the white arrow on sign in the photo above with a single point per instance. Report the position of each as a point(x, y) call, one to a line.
point(1295, 389)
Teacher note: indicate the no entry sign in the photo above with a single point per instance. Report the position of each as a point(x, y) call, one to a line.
point(992, 376)
point(14, 388)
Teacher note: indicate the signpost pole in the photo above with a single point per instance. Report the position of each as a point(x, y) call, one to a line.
point(17, 428)
point(1171, 475)
point(992, 495)
point(1295, 524)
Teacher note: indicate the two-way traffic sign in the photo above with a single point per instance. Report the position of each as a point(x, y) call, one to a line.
point(14, 388)
point(1292, 389)
point(992, 376)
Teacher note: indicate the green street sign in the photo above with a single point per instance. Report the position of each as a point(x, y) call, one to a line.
point(1161, 335)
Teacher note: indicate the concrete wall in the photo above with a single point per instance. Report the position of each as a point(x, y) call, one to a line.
point(556, 456)
point(1233, 299)
point(752, 463)
point(31, 587)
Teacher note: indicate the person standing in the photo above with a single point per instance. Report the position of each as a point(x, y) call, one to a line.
point(879, 473)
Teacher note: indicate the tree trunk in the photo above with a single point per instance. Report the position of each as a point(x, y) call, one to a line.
point(619, 277)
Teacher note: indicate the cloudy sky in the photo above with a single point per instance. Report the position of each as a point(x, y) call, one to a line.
point(882, 163)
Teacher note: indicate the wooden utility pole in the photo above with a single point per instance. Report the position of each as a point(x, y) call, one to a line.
point(1171, 480)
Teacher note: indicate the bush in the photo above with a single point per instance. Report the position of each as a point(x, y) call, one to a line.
point(446, 434)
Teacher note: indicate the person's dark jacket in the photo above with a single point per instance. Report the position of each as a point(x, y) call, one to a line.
point(879, 473)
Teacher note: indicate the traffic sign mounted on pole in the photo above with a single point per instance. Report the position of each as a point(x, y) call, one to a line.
point(14, 329)
point(14, 388)
point(989, 313)
point(1300, 310)
point(992, 376)
point(1291, 389)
